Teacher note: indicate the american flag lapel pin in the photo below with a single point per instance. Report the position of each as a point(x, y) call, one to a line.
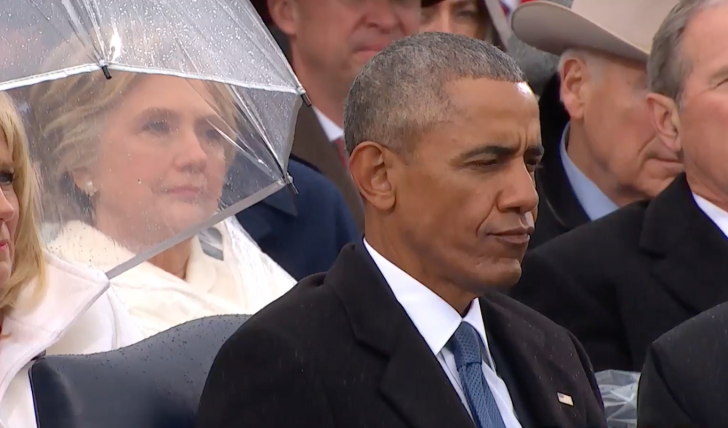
point(565, 399)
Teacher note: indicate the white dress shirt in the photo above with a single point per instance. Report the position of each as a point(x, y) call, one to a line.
point(716, 214)
point(332, 130)
point(437, 321)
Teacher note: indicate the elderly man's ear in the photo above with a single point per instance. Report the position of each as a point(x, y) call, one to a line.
point(665, 117)
point(372, 168)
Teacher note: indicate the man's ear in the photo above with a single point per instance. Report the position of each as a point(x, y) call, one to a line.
point(284, 14)
point(665, 117)
point(575, 80)
point(371, 167)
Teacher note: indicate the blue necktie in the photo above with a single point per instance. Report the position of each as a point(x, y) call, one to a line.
point(466, 346)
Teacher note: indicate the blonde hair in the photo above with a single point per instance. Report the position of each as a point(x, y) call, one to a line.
point(65, 125)
point(29, 261)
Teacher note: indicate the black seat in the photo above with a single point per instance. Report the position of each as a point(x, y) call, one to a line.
point(155, 383)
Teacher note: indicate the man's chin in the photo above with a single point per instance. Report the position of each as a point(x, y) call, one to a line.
point(501, 275)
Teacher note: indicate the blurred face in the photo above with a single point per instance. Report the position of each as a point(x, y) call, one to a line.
point(335, 38)
point(621, 138)
point(466, 197)
point(161, 164)
point(9, 212)
point(464, 17)
point(703, 116)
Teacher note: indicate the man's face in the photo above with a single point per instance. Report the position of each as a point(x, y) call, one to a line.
point(703, 115)
point(463, 17)
point(622, 140)
point(466, 195)
point(337, 37)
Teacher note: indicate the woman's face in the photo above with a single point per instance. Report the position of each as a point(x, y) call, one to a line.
point(464, 17)
point(161, 164)
point(9, 212)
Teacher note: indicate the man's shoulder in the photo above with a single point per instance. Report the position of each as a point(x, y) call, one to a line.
point(615, 233)
point(539, 324)
point(697, 338)
point(307, 310)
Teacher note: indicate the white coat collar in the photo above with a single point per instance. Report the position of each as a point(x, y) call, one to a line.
point(32, 326)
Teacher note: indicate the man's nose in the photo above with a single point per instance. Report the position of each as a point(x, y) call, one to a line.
point(382, 14)
point(519, 191)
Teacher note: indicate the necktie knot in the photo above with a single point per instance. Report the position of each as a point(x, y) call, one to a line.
point(465, 344)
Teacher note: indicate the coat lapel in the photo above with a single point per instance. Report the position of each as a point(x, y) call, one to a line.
point(692, 252)
point(537, 374)
point(414, 382)
point(311, 144)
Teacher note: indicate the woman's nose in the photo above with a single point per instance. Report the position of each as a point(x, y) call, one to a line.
point(191, 152)
point(7, 209)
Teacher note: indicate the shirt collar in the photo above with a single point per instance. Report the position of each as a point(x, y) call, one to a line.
point(594, 202)
point(332, 130)
point(434, 318)
point(715, 213)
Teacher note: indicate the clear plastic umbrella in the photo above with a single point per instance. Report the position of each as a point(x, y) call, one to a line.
point(149, 121)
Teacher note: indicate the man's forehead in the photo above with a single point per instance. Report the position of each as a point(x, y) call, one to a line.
point(705, 40)
point(486, 94)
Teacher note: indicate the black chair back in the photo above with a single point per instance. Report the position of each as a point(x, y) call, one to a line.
point(155, 383)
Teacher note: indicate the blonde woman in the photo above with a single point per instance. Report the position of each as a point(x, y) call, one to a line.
point(132, 162)
point(46, 304)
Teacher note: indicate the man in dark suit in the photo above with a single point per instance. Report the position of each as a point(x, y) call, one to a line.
point(328, 42)
point(622, 281)
point(303, 233)
point(404, 331)
point(601, 151)
point(684, 382)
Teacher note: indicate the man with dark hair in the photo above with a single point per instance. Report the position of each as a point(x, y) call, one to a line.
point(407, 328)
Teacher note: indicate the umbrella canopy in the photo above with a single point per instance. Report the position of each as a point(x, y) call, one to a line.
point(137, 109)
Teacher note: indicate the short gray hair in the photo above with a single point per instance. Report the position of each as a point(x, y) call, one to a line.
point(668, 67)
point(401, 93)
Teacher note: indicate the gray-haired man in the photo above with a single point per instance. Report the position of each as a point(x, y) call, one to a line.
point(405, 330)
point(685, 382)
point(622, 282)
point(601, 150)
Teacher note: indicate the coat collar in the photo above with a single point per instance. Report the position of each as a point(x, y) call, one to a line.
point(690, 250)
point(42, 316)
point(555, 189)
point(82, 243)
point(413, 382)
point(553, 185)
point(312, 146)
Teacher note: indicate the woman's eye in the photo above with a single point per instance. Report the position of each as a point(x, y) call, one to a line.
point(7, 178)
point(159, 127)
point(469, 14)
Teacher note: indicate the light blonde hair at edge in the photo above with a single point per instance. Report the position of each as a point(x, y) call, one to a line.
point(29, 261)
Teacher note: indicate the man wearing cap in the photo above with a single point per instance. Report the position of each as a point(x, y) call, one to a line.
point(621, 282)
point(603, 153)
point(329, 42)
